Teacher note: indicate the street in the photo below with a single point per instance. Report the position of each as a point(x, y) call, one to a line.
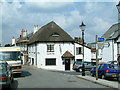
point(37, 78)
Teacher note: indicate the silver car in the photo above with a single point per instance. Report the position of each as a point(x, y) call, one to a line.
point(6, 76)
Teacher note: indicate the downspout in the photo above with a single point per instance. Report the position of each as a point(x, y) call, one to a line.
point(113, 48)
point(74, 51)
point(36, 53)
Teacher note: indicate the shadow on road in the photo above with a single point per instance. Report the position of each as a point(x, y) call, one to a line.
point(23, 74)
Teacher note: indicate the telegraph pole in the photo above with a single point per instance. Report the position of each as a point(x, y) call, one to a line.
point(97, 57)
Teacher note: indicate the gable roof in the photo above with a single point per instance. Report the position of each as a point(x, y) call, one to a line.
point(67, 54)
point(113, 32)
point(51, 32)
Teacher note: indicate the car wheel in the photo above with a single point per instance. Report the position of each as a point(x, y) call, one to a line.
point(103, 76)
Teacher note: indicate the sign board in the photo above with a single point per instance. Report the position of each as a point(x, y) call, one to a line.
point(101, 39)
point(106, 44)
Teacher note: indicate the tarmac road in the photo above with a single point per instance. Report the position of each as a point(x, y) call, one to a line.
point(37, 78)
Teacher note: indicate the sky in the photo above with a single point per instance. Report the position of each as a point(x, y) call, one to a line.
point(97, 15)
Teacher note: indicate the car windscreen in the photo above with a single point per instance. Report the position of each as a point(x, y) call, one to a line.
point(9, 56)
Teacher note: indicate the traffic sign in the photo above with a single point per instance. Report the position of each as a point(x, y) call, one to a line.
point(101, 39)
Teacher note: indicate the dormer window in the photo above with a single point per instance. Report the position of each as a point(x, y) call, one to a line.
point(55, 34)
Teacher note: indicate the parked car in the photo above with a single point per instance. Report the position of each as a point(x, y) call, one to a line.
point(106, 71)
point(6, 76)
point(113, 62)
point(77, 66)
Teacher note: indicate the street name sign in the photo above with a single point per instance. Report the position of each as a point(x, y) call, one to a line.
point(101, 39)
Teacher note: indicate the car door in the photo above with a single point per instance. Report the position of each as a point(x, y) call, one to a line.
point(101, 70)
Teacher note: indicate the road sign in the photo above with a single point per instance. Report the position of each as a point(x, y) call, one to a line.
point(101, 39)
point(106, 44)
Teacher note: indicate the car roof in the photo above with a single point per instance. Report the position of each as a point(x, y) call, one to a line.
point(3, 62)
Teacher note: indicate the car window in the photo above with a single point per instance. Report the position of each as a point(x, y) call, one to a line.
point(79, 63)
point(2, 67)
point(101, 66)
point(112, 66)
point(87, 63)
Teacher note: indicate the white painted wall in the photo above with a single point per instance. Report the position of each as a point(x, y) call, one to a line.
point(87, 53)
point(59, 50)
point(107, 52)
point(42, 54)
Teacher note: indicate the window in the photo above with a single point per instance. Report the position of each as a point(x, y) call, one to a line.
point(79, 50)
point(50, 48)
point(51, 61)
point(79, 60)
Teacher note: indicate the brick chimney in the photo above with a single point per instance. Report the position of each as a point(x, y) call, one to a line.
point(24, 33)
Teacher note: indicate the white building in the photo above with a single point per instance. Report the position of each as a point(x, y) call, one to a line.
point(79, 52)
point(112, 50)
point(52, 48)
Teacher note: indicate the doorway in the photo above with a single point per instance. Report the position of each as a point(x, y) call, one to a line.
point(32, 61)
point(67, 64)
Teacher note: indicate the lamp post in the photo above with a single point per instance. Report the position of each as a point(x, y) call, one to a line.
point(118, 7)
point(83, 26)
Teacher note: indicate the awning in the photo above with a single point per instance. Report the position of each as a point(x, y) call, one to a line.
point(67, 54)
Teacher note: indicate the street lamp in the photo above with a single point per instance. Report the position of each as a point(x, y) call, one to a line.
point(83, 26)
point(118, 7)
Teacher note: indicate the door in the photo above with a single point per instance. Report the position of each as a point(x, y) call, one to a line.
point(32, 61)
point(67, 64)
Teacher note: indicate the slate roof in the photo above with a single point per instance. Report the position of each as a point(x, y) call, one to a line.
point(67, 54)
point(113, 32)
point(51, 33)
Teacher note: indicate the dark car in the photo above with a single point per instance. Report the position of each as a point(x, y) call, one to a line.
point(77, 66)
point(6, 76)
point(106, 71)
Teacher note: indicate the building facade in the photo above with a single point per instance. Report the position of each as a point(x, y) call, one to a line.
point(52, 48)
point(112, 50)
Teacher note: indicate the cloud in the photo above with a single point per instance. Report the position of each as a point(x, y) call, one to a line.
point(98, 17)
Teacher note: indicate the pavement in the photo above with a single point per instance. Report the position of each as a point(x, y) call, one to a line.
point(107, 83)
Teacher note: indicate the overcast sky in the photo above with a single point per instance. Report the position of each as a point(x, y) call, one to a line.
point(98, 16)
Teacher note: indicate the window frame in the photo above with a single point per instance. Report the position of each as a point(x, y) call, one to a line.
point(50, 62)
point(50, 47)
point(79, 50)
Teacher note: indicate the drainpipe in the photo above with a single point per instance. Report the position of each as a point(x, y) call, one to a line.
point(113, 48)
point(36, 53)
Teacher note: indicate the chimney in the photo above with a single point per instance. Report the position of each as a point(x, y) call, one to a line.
point(13, 41)
point(35, 28)
point(24, 33)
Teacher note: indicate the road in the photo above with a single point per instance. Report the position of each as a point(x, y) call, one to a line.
point(37, 78)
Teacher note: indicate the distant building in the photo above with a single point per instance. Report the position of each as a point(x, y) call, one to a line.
point(93, 51)
point(22, 42)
